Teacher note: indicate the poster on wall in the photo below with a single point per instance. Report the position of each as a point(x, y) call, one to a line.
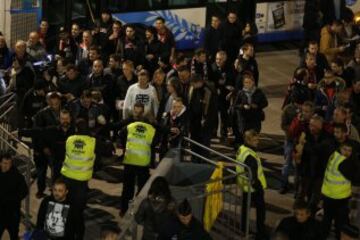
point(285, 15)
point(261, 17)
point(280, 16)
point(187, 25)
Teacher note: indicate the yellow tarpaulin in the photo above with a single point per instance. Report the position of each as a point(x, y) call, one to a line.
point(214, 199)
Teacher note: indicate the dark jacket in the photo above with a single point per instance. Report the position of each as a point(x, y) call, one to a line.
point(32, 104)
point(316, 154)
point(75, 87)
point(231, 39)
point(122, 85)
point(57, 219)
point(104, 84)
point(202, 108)
point(24, 80)
point(328, 10)
point(154, 214)
point(54, 138)
point(218, 74)
point(252, 116)
point(114, 73)
point(13, 190)
point(5, 58)
point(155, 48)
point(180, 121)
point(193, 231)
point(251, 162)
point(311, 19)
point(85, 66)
point(247, 66)
point(212, 38)
point(44, 118)
point(131, 49)
point(310, 230)
point(88, 114)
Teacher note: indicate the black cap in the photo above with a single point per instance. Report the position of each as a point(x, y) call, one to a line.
point(350, 231)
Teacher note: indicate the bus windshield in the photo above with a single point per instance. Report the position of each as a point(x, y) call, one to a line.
point(145, 5)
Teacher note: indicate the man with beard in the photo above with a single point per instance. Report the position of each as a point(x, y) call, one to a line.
point(54, 140)
point(55, 216)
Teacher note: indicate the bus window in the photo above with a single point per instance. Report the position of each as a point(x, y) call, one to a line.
point(54, 12)
point(79, 9)
point(184, 3)
point(129, 5)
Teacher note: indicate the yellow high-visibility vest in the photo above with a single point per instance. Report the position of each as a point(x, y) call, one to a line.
point(80, 157)
point(335, 185)
point(138, 144)
point(241, 156)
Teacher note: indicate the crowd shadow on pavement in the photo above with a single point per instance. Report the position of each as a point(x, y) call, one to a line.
point(96, 196)
point(96, 220)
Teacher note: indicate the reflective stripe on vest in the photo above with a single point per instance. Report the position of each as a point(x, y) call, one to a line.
point(79, 158)
point(138, 144)
point(335, 185)
point(241, 156)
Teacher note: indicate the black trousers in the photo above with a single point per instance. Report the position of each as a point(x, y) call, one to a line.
point(257, 200)
point(202, 136)
point(56, 165)
point(337, 210)
point(10, 222)
point(132, 174)
point(78, 196)
point(41, 164)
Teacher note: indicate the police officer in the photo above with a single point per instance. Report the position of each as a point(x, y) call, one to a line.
point(248, 156)
point(138, 140)
point(336, 189)
point(77, 169)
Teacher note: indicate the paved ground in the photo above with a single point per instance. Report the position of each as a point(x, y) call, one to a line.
point(276, 69)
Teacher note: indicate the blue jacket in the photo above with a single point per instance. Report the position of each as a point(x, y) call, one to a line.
point(7, 59)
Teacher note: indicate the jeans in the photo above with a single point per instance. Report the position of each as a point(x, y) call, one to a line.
point(288, 165)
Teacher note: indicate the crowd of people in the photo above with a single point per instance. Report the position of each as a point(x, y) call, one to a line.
point(83, 92)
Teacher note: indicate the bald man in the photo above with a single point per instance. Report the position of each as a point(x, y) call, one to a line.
point(34, 48)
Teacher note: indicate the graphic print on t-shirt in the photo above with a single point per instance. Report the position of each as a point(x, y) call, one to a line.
point(142, 98)
point(55, 219)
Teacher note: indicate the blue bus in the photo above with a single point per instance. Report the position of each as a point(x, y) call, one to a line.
point(187, 19)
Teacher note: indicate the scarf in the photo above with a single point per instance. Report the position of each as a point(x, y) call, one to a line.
point(248, 93)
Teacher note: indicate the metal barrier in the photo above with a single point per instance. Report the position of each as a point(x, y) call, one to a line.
point(8, 141)
point(232, 193)
point(228, 223)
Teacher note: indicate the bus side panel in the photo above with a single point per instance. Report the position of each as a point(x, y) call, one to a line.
point(187, 25)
